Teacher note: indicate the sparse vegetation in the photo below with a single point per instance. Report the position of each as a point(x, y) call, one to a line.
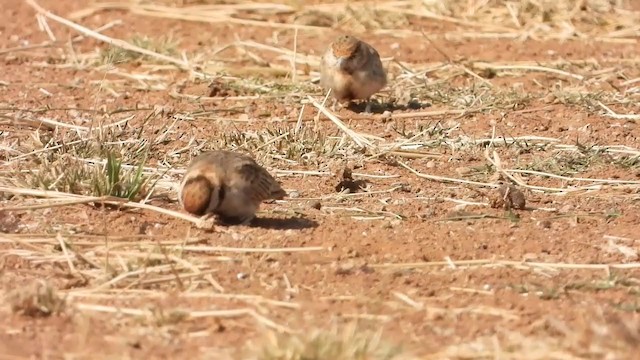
point(39, 298)
point(69, 174)
point(348, 343)
point(115, 55)
point(540, 95)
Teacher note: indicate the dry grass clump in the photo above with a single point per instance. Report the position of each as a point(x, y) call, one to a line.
point(608, 335)
point(37, 299)
point(540, 16)
point(438, 119)
point(548, 19)
point(302, 145)
point(69, 174)
point(349, 343)
point(117, 55)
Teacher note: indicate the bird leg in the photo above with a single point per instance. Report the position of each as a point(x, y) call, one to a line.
point(334, 105)
point(367, 108)
point(248, 220)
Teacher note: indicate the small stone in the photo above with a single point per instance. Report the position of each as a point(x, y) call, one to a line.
point(463, 170)
point(565, 209)
point(237, 236)
point(242, 276)
point(549, 99)
point(508, 197)
point(545, 224)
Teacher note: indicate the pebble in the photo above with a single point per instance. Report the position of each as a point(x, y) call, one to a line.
point(242, 276)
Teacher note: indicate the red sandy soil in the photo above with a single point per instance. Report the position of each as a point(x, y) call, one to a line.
point(587, 312)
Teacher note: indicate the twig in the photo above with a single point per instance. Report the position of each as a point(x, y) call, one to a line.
point(248, 250)
point(357, 138)
point(511, 263)
point(199, 222)
point(529, 68)
point(446, 179)
point(612, 114)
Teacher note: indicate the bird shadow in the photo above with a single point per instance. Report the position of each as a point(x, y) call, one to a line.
point(379, 108)
point(290, 223)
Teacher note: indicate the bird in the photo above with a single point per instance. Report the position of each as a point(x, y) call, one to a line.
point(352, 69)
point(227, 184)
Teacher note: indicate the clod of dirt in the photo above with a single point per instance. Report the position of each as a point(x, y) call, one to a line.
point(488, 73)
point(9, 222)
point(36, 299)
point(348, 183)
point(221, 89)
point(316, 205)
point(545, 224)
point(351, 267)
point(507, 197)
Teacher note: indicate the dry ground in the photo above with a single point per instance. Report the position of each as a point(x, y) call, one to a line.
point(540, 94)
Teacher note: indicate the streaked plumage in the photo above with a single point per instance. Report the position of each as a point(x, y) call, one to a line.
point(352, 69)
point(227, 184)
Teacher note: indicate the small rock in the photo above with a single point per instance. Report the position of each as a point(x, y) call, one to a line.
point(348, 183)
point(463, 171)
point(549, 99)
point(345, 268)
point(242, 276)
point(508, 197)
point(565, 209)
point(237, 236)
point(545, 224)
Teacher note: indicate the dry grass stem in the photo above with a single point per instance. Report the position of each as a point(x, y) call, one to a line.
point(111, 41)
point(199, 222)
point(493, 263)
point(472, 198)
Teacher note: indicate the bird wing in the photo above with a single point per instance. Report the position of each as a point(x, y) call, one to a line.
point(256, 182)
point(372, 57)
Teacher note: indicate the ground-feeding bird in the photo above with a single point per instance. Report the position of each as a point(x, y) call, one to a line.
point(227, 184)
point(352, 69)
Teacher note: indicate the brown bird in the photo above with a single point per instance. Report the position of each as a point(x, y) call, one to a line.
point(227, 184)
point(352, 69)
